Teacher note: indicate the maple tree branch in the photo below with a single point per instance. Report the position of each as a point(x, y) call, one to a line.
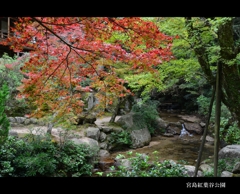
point(47, 28)
point(47, 44)
point(55, 69)
point(52, 24)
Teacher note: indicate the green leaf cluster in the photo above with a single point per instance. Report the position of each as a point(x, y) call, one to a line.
point(4, 122)
point(39, 156)
point(120, 139)
point(145, 115)
point(141, 167)
point(13, 78)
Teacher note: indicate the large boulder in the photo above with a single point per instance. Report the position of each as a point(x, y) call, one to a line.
point(140, 138)
point(229, 152)
point(87, 141)
point(127, 121)
point(140, 134)
point(161, 124)
point(194, 128)
point(93, 132)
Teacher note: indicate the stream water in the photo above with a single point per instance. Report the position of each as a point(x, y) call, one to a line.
point(176, 148)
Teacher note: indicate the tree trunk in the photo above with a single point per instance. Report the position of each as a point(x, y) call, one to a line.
point(217, 117)
point(205, 132)
point(113, 117)
point(227, 58)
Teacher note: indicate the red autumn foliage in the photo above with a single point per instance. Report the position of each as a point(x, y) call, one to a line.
point(69, 50)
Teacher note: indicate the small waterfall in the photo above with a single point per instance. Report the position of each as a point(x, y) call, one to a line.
point(184, 131)
point(183, 127)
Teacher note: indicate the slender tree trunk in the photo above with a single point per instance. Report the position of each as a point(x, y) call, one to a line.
point(217, 116)
point(113, 117)
point(205, 132)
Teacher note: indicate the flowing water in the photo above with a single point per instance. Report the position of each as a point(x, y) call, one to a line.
point(176, 148)
point(173, 148)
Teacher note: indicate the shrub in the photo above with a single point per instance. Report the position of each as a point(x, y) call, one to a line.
point(148, 113)
point(230, 133)
point(141, 167)
point(11, 75)
point(120, 139)
point(39, 156)
point(4, 122)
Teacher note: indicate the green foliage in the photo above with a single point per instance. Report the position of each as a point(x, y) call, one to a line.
point(145, 114)
point(141, 167)
point(209, 173)
point(182, 76)
point(39, 156)
point(4, 122)
point(145, 83)
point(233, 134)
point(229, 133)
point(203, 106)
point(13, 77)
point(120, 139)
point(226, 164)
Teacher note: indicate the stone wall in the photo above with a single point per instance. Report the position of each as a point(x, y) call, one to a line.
point(23, 121)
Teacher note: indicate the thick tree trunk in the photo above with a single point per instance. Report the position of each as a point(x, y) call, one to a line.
point(230, 72)
point(228, 52)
